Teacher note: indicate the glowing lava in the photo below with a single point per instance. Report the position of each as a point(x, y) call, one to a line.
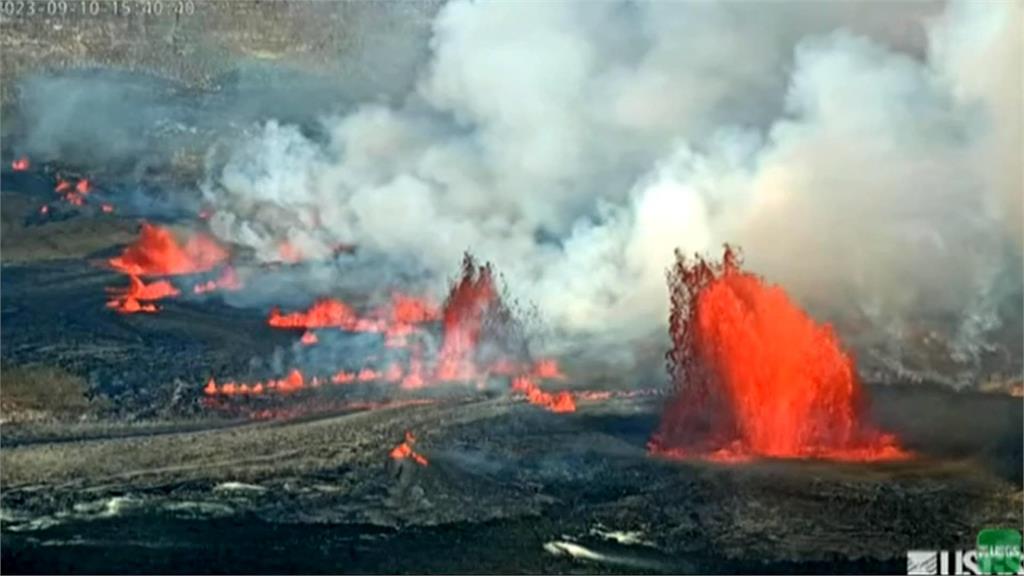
point(756, 376)
point(404, 451)
point(74, 195)
point(324, 313)
point(480, 341)
point(157, 252)
point(293, 382)
point(559, 402)
point(464, 313)
point(21, 164)
point(131, 300)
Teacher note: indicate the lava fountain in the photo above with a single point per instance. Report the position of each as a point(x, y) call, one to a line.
point(158, 252)
point(756, 375)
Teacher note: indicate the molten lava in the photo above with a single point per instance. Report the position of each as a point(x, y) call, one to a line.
point(129, 300)
point(324, 313)
point(464, 313)
point(560, 402)
point(74, 195)
point(480, 341)
point(21, 164)
point(756, 376)
point(157, 252)
point(404, 451)
point(293, 382)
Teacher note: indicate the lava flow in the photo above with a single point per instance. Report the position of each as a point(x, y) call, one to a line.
point(20, 164)
point(325, 313)
point(137, 297)
point(757, 376)
point(157, 252)
point(559, 402)
point(404, 451)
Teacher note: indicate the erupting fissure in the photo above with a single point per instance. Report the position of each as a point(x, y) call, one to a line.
point(756, 376)
point(158, 253)
point(478, 335)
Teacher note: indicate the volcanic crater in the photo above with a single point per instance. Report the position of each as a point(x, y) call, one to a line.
point(448, 447)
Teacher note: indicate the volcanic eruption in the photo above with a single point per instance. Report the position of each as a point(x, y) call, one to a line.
point(480, 339)
point(158, 252)
point(756, 376)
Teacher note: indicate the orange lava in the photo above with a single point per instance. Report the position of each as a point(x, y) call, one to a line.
point(44, 209)
point(130, 300)
point(558, 402)
point(479, 342)
point(293, 382)
point(107, 208)
point(404, 451)
point(74, 195)
point(463, 318)
point(228, 280)
point(21, 164)
point(397, 321)
point(324, 313)
point(158, 252)
point(756, 376)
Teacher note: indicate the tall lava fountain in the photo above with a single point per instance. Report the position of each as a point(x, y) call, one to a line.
point(757, 376)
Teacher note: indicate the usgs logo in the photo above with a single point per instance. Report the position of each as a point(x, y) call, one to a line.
point(998, 552)
point(953, 562)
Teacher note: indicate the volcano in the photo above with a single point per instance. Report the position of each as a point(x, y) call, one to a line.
point(378, 287)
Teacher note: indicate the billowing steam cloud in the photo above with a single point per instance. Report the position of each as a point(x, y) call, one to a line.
point(870, 168)
point(866, 158)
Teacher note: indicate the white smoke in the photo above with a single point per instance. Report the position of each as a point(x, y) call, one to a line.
point(868, 160)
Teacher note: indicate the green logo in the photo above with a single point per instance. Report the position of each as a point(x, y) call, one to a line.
point(999, 551)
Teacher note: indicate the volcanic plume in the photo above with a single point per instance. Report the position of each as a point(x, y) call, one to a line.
point(757, 376)
point(158, 252)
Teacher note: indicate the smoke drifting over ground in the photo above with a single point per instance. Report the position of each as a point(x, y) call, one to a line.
point(863, 156)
